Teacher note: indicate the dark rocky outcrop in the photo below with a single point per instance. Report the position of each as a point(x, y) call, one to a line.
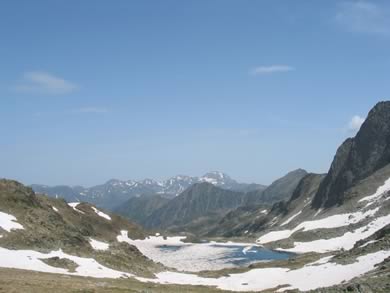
point(357, 157)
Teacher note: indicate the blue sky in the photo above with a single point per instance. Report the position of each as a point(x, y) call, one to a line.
point(93, 90)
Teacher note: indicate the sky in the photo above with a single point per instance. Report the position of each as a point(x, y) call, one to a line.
point(93, 90)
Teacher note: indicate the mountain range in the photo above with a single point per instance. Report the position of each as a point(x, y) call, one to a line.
point(202, 205)
point(115, 192)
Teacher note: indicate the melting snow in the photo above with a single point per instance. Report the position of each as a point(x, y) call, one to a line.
point(101, 214)
point(98, 245)
point(368, 242)
point(312, 276)
point(316, 214)
point(328, 222)
point(378, 194)
point(346, 241)
point(30, 260)
point(191, 257)
point(8, 222)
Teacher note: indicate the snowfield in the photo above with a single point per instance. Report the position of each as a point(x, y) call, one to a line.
point(30, 260)
point(346, 241)
point(334, 221)
point(8, 222)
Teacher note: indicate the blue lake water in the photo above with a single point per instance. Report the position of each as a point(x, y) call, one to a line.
point(240, 257)
point(237, 255)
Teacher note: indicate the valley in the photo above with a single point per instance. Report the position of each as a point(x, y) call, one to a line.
point(327, 232)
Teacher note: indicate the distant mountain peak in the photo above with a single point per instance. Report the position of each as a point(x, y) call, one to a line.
point(115, 192)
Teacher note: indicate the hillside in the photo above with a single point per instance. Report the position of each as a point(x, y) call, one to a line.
point(140, 208)
point(42, 224)
point(200, 200)
point(280, 189)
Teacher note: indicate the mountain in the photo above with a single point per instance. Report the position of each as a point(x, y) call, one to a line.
point(344, 208)
point(199, 200)
point(115, 192)
point(360, 167)
point(66, 235)
point(149, 210)
point(357, 157)
point(280, 189)
point(138, 209)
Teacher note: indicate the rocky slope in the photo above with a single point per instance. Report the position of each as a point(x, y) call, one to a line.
point(42, 224)
point(347, 203)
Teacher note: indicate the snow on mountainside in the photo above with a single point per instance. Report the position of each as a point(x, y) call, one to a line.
point(114, 192)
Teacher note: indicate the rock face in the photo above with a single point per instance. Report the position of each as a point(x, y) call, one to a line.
point(357, 157)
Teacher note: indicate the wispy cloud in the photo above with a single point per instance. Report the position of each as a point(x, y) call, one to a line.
point(271, 69)
point(41, 82)
point(355, 123)
point(95, 110)
point(364, 17)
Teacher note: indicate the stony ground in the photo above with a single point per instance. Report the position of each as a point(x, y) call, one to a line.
point(20, 281)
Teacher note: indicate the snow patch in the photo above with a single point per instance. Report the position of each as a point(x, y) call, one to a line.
point(8, 222)
point(74, 205)
point(54, 209)
point(368, 242)
point(98, 245)
point(316, 214)
point(378, 194)
point(101, 214)
point(291, 218)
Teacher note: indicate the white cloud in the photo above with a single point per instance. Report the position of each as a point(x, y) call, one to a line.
point(355, 123)
point(91, 110)
point(364, 17)
point(271, 69)
point(40, 82)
